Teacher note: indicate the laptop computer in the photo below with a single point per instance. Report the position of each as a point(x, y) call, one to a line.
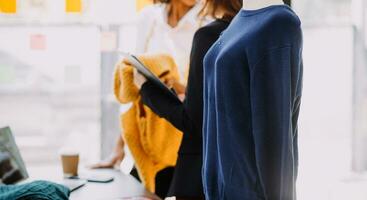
point(12, 167)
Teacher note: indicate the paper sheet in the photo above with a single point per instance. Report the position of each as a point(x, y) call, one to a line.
point(7, 74)
point(108, 41)
point(140, 4)
point(38, 42)
point(8, 6)
point(73, 6)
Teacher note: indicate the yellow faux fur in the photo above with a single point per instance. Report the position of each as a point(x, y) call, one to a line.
point(153, 141)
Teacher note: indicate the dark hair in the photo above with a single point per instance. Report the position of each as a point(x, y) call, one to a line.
point(288, 2)
point(161, 1)
point(229, 8)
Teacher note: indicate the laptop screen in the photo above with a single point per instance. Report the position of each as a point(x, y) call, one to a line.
point(12, 168)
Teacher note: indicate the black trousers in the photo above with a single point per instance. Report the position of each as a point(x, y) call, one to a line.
point(162, 180)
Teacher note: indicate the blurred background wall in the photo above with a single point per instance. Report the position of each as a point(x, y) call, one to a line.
point(56, 65)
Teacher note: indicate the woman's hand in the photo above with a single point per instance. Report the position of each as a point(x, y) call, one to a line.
point(179, 88)
point(115, 159)
point(139, 79)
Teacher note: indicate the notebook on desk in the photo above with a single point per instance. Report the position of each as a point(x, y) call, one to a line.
point(12, 167)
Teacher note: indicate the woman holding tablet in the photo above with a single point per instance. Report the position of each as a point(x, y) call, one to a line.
point(187, 115)
point(168, 26)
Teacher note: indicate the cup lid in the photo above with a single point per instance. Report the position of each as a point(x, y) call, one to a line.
point(68, 152)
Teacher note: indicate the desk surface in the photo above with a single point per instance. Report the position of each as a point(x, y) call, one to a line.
point(123, 186)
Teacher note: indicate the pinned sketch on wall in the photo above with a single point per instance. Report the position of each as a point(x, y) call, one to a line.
point(73, 6)
point(38, 42)
point(7, 74)
point(140, 4)
point(38, 3)
point(8, 6)
point(108, 41)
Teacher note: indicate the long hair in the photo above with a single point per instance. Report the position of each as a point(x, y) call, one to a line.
point(229, 8)
point(226, 8)
point(161, 1)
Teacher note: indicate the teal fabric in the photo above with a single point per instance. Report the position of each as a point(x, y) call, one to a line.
point(40, 190)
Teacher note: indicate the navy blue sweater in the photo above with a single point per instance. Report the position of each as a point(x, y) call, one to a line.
point(252, 92)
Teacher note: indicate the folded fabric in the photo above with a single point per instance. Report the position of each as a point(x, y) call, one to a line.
point(153, 141)
point(40, 190)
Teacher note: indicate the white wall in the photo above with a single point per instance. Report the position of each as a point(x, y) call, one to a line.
point(326, 112)
point(66, 46)
point(67, 111)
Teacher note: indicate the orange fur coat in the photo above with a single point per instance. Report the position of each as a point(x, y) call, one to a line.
point(153, 141)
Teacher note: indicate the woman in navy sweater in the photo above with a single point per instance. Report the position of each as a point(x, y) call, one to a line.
point(187, 116)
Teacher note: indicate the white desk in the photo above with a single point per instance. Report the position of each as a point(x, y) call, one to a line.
point(123, 186)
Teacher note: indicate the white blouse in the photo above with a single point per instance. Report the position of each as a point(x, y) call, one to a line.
point(155, 35)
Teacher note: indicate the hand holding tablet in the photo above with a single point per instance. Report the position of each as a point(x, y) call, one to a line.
point(143, 70)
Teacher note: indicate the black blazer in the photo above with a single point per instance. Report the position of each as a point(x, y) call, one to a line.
point(187, 116)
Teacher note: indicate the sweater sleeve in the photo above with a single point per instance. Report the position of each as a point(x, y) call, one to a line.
point(186, 116)
point(273, 83)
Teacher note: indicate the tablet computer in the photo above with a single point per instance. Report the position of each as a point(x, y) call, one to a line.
point(137, 64)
